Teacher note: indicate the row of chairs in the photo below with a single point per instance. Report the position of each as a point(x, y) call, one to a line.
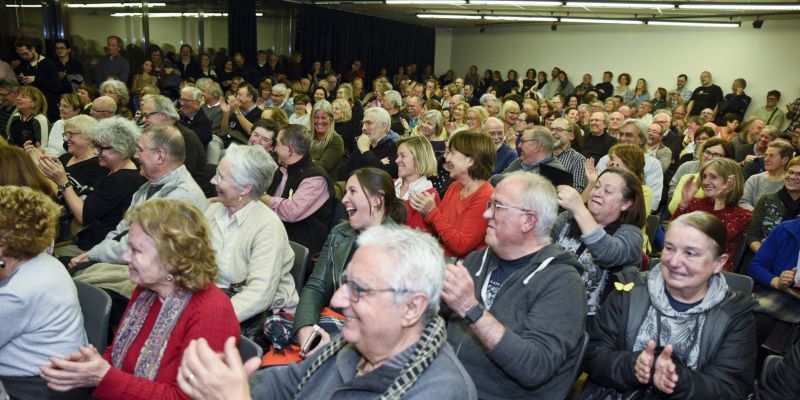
point(96, 307)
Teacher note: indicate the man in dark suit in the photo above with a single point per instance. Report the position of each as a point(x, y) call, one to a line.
point(192, 115)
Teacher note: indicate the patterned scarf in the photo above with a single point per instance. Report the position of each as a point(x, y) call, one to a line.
point(425, 351)
point(150, 355)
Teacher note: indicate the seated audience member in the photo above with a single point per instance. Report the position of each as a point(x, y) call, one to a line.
point(192, 116)
point(327, 146)
point(597, 141)
point(175, 301)
point(80, 162)
point(117, 90)
point(770, 113)
point(69, 106)
point(774, 208)
point(29, 121)
point(631, 131)
point(100, 208)
point(397, 348)
point(710, 150)
point(431, 127)
point(8, 103)
point(300, 192)
point(160, 153)
point(674, 337)
point(159, 110)
point(103, 107)
point(239, 112)
point(752, 164)
point(275, 114)
point(458, 221)
point(501, 297)
point(40, 308)
point(374, 148)
point(300, 114)
point(18, 169)
point(722, 185)
point(573, 162)
point(346, 125)
point(778, 154)
point(774, 268)
point(370, 201)
point(657, 149)
point(605, 232)
point(692, 151)
point(265, 131)
point(280, 98)
point(536, 156)
point(252, 250)
point(415, 163)
point(504, 154)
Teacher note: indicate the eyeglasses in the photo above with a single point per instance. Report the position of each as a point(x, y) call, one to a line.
point(523, 141)
point(558, 130)
point(182, 100)
point(493, 206)
point(67, 134)
point(148, 114)
point(96, 111)
point(219, 177)
point(354, 290)
point(792, 174)
point(61, 47)
point(711, 154)
point(100, 148)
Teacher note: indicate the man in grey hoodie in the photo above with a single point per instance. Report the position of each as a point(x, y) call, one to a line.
point(518, 306)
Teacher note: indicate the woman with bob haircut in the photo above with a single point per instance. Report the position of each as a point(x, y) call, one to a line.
point(723, 185)
point(40, 309)
point(30, 125)
point(369, 200)
point(327, 146)
point(415, 163)
point(172, 263)
point(102, 208)
point(119, 92)
point(458, 221)
point(347, 127)
point(70, 105)
point(605, 232)
point(677, 331)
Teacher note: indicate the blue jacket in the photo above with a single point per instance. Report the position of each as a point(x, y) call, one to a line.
point(778, 253)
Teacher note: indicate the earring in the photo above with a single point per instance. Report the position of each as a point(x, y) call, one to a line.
point(240, 198)
point(2, 264)
point(170, 277)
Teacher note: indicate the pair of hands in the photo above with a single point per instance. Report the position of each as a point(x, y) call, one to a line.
point(665, 377)
point(206, 374)
point(422, 202)
point(84, 368)
point(784, 280)
point(691, 185)
point(50, 166)
point(229, 104)
point(27, 80)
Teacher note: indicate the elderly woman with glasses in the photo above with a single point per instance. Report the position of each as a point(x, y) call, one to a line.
point(102, 208)
point(119, 92)
point(69, 106)
point(252, 247)
point(171, 261)
point(392, 346)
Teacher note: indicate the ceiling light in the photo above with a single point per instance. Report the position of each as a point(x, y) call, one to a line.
point(173, 15)
point(448, 16)
point(597, 4)
point(23, 6)
point(521, 3)
point(698, 24)
point(603, 21)
point(517, 18)
point(741, 7)
point(113, 5)
point(425, 2)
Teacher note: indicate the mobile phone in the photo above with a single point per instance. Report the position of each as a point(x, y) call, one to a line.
point(313, 340)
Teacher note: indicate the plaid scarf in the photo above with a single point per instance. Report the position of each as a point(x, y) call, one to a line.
point(425, 351)
point(150, 355)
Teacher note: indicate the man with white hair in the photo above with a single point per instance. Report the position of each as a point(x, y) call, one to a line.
point(597, 141)
point(518, 306)
point(504, 154)
point(280, 99)
point(536, 156)
point(656, 149)
point(392, 102)
point(374, 147)
point(192, 115)
point(158, 110)
point(212, 93)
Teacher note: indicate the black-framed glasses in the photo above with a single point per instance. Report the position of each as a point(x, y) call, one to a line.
point(492, 206)
point(148, 114)
point(67, 134)
point(355, 290)
point(100, 148)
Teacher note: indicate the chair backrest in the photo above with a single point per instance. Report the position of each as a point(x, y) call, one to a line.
point(738, 255)
point(583, 344)
point(300, 266)
point(249, 349)
point(738, 282)
point(96, 308)
point(769, 364)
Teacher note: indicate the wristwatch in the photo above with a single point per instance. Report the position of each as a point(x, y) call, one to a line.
point(474, 314)
point(63, 188)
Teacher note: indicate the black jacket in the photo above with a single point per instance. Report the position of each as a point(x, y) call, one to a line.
point(386, 149)
point(727, 345)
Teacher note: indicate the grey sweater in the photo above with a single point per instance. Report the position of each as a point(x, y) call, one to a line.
point(543, 312)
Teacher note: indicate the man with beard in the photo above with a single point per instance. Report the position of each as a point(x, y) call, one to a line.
point(573, 162)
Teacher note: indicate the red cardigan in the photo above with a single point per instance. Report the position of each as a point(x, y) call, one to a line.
point(413, 217)
point(735, 219)
point(209, 315)
point(459, 222)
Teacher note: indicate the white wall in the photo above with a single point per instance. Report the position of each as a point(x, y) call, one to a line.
point(444, 47)
point(767, 58)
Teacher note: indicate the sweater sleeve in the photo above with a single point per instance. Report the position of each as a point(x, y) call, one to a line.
point(623, 248)
point(753, 230)
point(311, 194)
point(332, 154)
point(763, 266)
point(748, 199)
point(466, 234)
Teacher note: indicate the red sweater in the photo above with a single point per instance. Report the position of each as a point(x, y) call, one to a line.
point(459, 222)
point(735, 219)
point(413, 217)
point(209, 315)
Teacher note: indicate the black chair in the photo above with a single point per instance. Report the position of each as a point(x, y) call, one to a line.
point(96, 309)
point(580, 354)
point(769, 364)
point(738, 255)
point(300, 266)
point(249, 349)
point(738, 282)
point(651, 224)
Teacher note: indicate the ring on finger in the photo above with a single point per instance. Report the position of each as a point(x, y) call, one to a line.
point(190, 377)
